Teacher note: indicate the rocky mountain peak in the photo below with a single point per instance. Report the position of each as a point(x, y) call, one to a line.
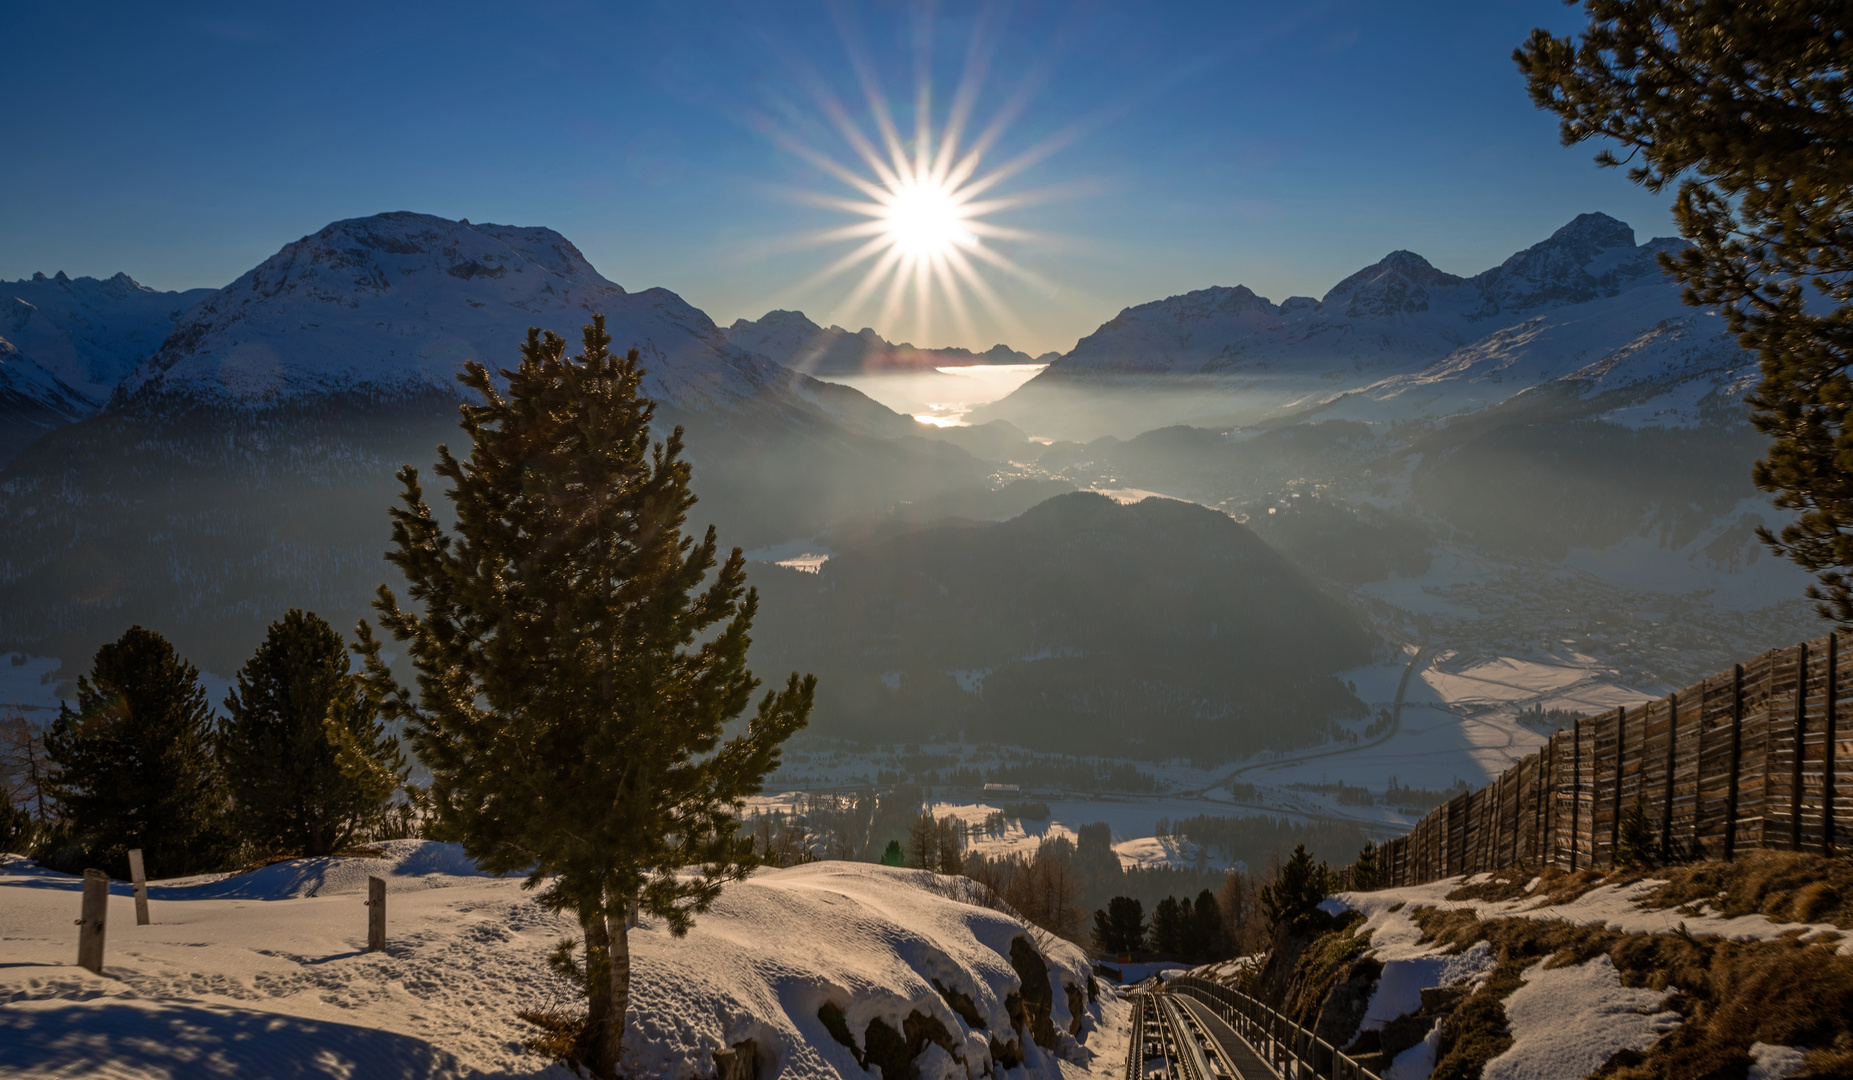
point(1592, 256)
point(392, 305)
point(1398, 284)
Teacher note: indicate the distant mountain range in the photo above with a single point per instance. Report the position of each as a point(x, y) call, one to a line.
point(244, 465)
point(1400, 340)
point(801, 345)
point(200, 462)
point(89, 333)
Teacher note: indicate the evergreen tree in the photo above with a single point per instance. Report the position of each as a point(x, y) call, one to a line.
point(1170, 928)
point(1120, 928)
point(306, 758)
point(577, 658)
point(18, 831)
point(1364, 870)
point(892, 855)
point(1295, 895)
point(1748, 108)
point(1206, 941)
point(1639, 842)
point(134, 764)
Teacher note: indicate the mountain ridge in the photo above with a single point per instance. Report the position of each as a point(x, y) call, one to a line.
point(390, 306)
point(1397, 340)
point(794, 341)
point(87, 332)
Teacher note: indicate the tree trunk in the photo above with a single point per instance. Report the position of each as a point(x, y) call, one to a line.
point(608, 985)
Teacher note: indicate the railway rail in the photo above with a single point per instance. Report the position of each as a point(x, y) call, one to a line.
point(1199, 1030)
point(1171, 1042)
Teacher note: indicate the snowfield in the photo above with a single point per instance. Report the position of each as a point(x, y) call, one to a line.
point(265, 974)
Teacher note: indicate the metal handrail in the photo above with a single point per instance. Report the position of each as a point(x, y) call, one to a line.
point(1292, 1051)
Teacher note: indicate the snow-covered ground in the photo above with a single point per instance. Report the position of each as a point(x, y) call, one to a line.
point(265, 974)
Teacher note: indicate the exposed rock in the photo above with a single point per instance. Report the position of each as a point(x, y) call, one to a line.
point(1348, 1000)
point(961, 1003)
point(1038, 994)
point(741, 1062)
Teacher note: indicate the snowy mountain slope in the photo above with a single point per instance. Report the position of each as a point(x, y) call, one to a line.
point(264, 973)
point(87, 332)
point(801, 345)
point(32, 401)
point(1410, 340)
point(1398, 311)
point(1623, 353)
point(389, 307)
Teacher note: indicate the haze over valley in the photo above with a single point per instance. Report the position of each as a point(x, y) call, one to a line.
point(1540, 471)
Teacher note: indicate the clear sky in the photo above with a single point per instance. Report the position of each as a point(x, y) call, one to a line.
point(1162, 147)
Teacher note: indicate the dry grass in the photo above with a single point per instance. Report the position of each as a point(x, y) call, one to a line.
point(1783, 885)
point(1321, 965)
point(1729, 994)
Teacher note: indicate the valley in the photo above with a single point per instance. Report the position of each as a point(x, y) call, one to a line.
point(1532, 469)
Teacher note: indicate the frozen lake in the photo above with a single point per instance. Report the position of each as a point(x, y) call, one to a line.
point(942, 396)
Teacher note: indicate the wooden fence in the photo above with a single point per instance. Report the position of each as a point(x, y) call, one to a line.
point(1753, 757)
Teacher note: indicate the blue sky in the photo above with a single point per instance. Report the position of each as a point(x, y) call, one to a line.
point(1174, 146)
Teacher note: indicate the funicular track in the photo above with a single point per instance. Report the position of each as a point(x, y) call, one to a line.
point(1170, 1041)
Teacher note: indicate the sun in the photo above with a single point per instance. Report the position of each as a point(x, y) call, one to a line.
point(925, 242)
point(925, 221)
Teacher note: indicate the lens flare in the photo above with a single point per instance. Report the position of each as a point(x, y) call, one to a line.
point(925, 220)
point(925, 247)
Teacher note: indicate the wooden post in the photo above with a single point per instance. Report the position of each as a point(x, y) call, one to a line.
point(376, 914)
point(1833, 732)
point(1576, 790)
point(1737, 744)
point(90, 926)
point(141, 886)
point(1621, 759)
point(1672, 764)
point(1801, 730)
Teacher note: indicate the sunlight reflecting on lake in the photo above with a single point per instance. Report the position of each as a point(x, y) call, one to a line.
point(942, 396)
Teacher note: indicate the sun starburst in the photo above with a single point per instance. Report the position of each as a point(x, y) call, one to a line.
point(926, 246)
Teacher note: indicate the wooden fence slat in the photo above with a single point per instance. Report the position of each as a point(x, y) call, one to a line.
point(1771, 780)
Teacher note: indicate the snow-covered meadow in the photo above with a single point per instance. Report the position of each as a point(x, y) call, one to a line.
point(266, 973)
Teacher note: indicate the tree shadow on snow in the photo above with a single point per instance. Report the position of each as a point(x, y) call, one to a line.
point(185, 1040)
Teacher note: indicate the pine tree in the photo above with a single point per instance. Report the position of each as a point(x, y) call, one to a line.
point(134, 764)
point(577, 657)
point(306, 758)
point(1120, 928)
point(1639, 842)
point(1206, 940)
point(1747, 107)
point(1364, 870)
point(1295, 895)
point(1167, 934)
point(892, 855)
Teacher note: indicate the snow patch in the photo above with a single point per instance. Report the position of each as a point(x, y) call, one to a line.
point(1567, 1021)
point(1771, 1062)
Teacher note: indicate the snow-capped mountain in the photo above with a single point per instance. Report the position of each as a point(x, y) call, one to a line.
point(801, 345)
point(391, 306)
point(1401, 339)
point(32, 401)
point(87, 332)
